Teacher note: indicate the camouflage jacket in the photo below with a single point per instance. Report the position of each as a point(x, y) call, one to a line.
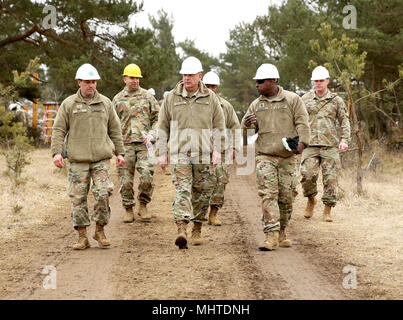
point(323, 114)
point(138, 112)
point(231, 123)
point(278, 117)
point(93, 127)
point(184, 120)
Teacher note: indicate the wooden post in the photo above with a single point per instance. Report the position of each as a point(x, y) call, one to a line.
point(35, 106)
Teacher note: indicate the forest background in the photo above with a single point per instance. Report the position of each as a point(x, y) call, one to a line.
point(100, 32)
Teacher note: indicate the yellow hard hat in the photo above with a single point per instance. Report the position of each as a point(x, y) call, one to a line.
point(132, 70)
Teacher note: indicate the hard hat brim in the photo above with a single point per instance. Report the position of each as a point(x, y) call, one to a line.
point(92, 78)
point(133, 75)
point(189, 72)
point(316, 78)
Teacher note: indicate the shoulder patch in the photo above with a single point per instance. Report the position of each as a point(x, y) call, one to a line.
point(261, 107)
point(280, 107)
point(180, 103)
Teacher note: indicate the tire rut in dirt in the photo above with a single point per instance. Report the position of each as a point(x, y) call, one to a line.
point(290, 274)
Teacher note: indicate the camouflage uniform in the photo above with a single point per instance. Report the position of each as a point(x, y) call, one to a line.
point(323, 151)
point(193, 183)
point(22, 116)
point(221, 174)
point(274, 177)
point(138, 112)
point(281, 116)
point(220, 181)
point(191, 177)
point(88, 154)
point(294, 185)
point(80, 175)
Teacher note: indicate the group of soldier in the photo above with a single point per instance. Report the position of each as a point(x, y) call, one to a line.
point(193, 129)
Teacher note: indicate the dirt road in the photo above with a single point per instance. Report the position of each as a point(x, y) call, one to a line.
point(143, 262)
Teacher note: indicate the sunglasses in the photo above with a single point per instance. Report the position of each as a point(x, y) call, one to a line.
point(260, 81)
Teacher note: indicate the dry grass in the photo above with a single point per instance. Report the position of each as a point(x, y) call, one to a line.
point(367, 231)
point(35, 201)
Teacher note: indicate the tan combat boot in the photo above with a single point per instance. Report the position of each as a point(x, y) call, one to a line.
point(196, 234)
point(271, 242)
point(129, 215)
point(326, 213)
point(283, 241)
point(309, 207)
point(181, 240)
point(82, 242)
point(212, 218)
point(100, 236)
point(143, 212)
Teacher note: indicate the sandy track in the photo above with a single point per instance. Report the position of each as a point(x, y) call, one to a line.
point(143, 262)
point(295, 277)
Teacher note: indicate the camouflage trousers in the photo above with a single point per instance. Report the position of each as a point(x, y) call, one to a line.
point(220, 181)
point(80, 176)
point(274, 178)
point(193, 185)
point(312, 159)
point(136, 158)
point(294, 185)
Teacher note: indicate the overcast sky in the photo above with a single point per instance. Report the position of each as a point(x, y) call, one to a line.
point(207, 22)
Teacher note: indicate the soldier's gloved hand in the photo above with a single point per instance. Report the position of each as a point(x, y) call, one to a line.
point(250, 119)
point(291, 144)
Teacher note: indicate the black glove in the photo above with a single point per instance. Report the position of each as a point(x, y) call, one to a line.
point(291, 144)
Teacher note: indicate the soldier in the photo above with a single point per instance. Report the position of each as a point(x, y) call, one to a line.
point(137, 110)
point(221, 174)
point(20, 115)
point(94, 136)
point(188, 112)
point(276, 114)
point(324, 108)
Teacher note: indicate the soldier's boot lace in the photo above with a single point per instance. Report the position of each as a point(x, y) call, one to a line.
point(283, 241)
point(100, 236)
point(196, 234)
point(129, 215)
point(82, 242)
point(271, 241)
point(310, 205)
point(143, 212)
point(212, 218)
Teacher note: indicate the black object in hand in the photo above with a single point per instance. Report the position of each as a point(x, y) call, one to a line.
point(291, 144)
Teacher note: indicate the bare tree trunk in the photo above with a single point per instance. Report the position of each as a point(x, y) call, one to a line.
point(355, 125)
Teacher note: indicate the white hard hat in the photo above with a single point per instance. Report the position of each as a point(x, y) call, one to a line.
point(87, 72)
point(266, 71)
point(13, 106)
point(320, 73)
point(152, 91)
point(165, 93)
point(211, 78)
point(191, 65)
